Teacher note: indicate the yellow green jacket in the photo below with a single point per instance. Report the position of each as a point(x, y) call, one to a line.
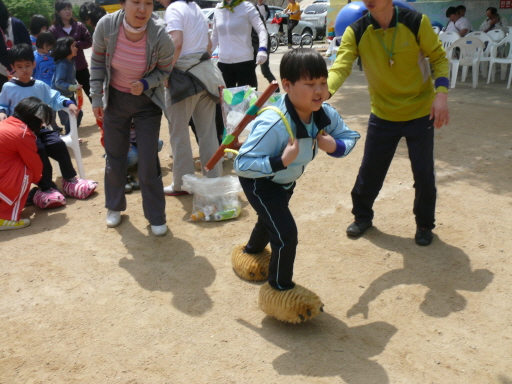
point(402, 91)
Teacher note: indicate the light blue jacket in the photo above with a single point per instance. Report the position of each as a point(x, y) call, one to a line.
point(260, 155)
point(14, 91)
point(159, 55)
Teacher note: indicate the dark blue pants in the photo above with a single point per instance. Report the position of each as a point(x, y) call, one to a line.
point(381, 142)
point(50, 145)
point(275, 225)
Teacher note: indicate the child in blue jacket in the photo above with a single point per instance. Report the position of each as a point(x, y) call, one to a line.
point(268, 165)
point(64, 77)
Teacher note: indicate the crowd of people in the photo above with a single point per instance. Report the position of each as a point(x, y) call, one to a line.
point(457, 21)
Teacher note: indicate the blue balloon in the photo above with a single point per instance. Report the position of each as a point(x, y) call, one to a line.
point(354, 11)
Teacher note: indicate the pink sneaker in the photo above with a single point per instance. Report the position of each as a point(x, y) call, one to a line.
point(79, 188)
point(49, 199)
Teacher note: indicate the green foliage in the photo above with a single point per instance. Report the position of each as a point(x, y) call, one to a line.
point(25, 9)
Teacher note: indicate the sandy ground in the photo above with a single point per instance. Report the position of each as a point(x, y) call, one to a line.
point(81, 303)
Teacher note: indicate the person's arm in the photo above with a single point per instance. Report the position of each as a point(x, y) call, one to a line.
point(215, 33)
point(344, 138)
point(5, 104)
point(267, 150)
point(433, 49)
point(4, 60)
point(164, 48)
point(342, 67)
point(177, 38)
point(255, 20)
point(84, 39)
point(27, 150)
point(98, 69)
point(59, 75)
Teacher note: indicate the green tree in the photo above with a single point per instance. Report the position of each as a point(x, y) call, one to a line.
point(24, 10)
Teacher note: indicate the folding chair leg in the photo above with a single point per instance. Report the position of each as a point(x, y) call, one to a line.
point(455, 71)
point(509, 77)
point(475, 75)
point(464, 73)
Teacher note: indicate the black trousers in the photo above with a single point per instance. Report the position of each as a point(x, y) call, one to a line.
point(82, 77)
point(275, 225)
point(292, 24)
point(50, 145)
point(381, 142)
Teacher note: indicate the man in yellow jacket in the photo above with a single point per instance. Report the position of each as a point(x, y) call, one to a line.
point(393, 43)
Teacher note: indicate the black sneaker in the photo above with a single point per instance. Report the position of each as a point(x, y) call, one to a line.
point(358, 227)
point(423, 236)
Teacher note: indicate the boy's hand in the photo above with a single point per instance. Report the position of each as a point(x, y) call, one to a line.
point(73, 109)
point(79, 86)
point(326, 142)
point(137, 88)
point(439, 111)
point(291, 152)
point(3, 116)
point(98, 113)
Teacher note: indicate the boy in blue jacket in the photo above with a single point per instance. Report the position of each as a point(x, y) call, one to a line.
point(268, 164)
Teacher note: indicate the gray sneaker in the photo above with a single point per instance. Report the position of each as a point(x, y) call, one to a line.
point(358, 227)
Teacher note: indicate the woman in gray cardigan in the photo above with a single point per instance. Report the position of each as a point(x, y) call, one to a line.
point(132, 55)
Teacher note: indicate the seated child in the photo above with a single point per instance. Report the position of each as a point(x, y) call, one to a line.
point(268, 165)
point(20, 165)
point(38, 24)
point(49, 142)
point(64, 78)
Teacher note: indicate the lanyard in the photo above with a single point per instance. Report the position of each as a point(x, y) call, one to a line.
point(390, 51)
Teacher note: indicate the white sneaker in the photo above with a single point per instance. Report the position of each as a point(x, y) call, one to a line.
point(113, 218)
point(170, 191)
point(159, 230)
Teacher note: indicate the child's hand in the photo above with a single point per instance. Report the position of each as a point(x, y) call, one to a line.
point(73, 109)
point(79, 86)
point(326, 142)
point(291, 152)
point(137, 88)
point(98, 113)
point(3, 116)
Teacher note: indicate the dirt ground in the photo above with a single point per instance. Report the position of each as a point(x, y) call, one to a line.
point(81, 303)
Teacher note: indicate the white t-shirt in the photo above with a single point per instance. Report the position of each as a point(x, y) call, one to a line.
point(459, 25)
point(232, 32)
point(188, 18)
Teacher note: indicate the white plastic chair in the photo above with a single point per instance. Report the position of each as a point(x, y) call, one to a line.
point(72, 142)
point(333, 49)
point(447, 39)
point(470, 51)
point(504, 61)
point(485, 58)
point(496, 34)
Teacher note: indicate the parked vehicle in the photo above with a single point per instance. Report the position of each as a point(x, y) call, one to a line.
point(316, 14)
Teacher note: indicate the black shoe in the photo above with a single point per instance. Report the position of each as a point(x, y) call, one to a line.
point(423, 236)
point(358, 227)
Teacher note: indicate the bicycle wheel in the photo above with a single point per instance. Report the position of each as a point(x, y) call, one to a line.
point(274, 43)
point(306, 41)
point(296, 38)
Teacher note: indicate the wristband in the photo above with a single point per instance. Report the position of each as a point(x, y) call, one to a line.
point(262, 49)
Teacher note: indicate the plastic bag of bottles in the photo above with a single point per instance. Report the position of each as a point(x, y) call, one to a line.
point(215, 199)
